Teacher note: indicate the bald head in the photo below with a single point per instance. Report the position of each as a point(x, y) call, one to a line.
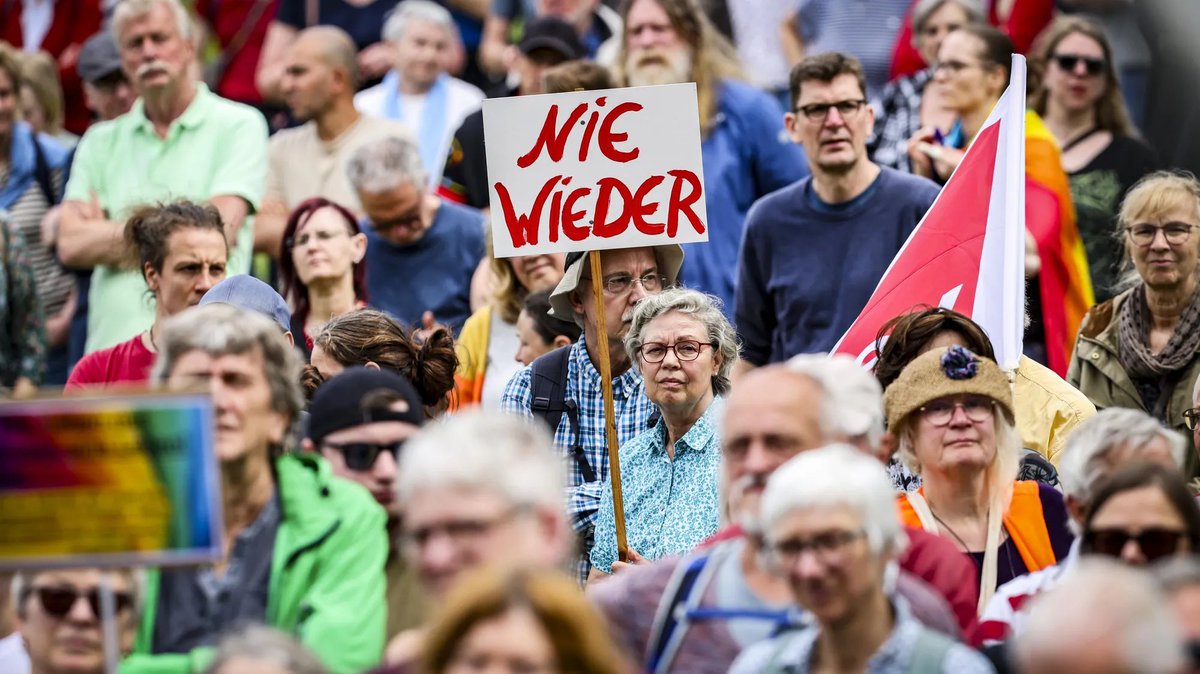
point(334, 47)
point(772, 414)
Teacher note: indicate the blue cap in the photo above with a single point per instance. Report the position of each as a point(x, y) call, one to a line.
point(246, 292)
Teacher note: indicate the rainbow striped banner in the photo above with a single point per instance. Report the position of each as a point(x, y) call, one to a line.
point(114, 481)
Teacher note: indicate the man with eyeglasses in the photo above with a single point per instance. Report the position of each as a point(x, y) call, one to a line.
point(58, 618)
point(814, 251)
point(574, 405)
point(360, 421)
point(421, 250)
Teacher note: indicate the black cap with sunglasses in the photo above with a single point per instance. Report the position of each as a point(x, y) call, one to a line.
point(345, 401)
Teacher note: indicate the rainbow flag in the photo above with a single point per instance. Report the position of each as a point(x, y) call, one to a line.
point(1066, 286)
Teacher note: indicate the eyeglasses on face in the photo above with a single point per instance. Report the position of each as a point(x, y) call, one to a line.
point(939, 412)
point(58, 601)
point(687, 350)
point(1191, 418)
point(826, 546)
point(362, 455)
point(1143, 234)
point(409, 219)
point(818, 112)
point(1069, 62)
point(1155, 542)
point(461, 531)
point(619, 284)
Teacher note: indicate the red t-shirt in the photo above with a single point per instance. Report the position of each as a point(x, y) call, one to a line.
point(128, 362)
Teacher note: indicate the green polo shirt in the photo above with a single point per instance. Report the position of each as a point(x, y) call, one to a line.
point(216, 147)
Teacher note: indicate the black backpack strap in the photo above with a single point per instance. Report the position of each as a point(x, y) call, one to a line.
point(41, 173)
point(548, 401)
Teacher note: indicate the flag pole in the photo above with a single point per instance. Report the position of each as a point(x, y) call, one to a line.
point(610, 420)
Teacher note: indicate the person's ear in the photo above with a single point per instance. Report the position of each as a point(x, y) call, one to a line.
point(560, 341)
point(151, 275)
point(887, 448)
point(1076, 508)
point(371, 364)
point(358, 244)
point(576, 301)
point(791, 122)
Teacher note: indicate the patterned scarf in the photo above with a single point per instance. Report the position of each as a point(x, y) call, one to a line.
point(1134, 348)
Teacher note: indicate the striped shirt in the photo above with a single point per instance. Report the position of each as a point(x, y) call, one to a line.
point(53, 282)
point(633, 412)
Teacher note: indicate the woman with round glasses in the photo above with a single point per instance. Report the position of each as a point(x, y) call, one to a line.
point(323, 267)
point(1141, 349)
point(1081, 102)
point(684, 348)
point(951, 413)
point(1143, 513)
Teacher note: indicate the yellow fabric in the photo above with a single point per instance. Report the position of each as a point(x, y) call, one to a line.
point(1047, 408)
point(472, 349)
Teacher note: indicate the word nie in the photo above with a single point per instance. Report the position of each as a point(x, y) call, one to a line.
point(635, 204)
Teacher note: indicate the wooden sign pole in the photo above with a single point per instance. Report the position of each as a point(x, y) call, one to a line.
point(610, 418)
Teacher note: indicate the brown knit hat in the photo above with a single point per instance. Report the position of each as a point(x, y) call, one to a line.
point(945, 372)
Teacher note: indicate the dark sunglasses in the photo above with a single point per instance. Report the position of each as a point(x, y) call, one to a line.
point(362, 455)
point(1068, 62)
point(1155, 543)
point(58, 601)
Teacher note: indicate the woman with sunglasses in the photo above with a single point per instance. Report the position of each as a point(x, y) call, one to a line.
point(1143, 513)
point(951, 413)
point(1141, 349)
point(684, 348)
point(1081, 101)
point(322, 269)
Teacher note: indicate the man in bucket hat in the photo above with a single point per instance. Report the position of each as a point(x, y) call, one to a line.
point(566, 383)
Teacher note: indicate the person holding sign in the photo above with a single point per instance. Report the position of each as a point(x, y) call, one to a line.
point(630, 275)
point(304, 551)
point(745, 151)
point(58, 618)
point(684, 348)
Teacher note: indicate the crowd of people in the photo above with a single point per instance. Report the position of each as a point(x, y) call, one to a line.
point(286, 204)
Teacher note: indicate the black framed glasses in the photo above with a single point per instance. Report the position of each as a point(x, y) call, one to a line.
point(362, 455)
point(940, 412)
point(818, 112)
point(687, 350)
point(825, 546)
point(1155, 542)
point(1191, 418)
point(619, 284)
point(407, 220)
point(1144, 233)
point(1069, 62)
point(58, 601)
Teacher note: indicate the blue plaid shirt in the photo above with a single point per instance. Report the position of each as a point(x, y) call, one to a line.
point(633, 411)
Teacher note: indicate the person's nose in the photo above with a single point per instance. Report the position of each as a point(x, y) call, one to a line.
point(208, 279)
point(384, 469)
point(1080, 69)
point(1131, 553)
point(637, 291)
point(758, 460)
point(1159, 242)
point(645, 39)
point(834, 119)
point(806, 566)
point(81, 612)
point(958, 416)
point(438, 554)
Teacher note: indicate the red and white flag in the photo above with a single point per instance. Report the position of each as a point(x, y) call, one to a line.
point(968, 252)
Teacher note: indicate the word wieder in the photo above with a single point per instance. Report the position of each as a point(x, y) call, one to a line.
point(616, 205)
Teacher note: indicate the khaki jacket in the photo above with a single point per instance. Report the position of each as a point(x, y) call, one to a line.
point(1096, 370)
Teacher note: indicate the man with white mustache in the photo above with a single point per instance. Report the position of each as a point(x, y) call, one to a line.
point(179, 141)
point(724, 598)
point(630, 274)
point(744, 147)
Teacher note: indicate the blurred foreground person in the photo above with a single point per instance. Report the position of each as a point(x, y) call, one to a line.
point(262, 650)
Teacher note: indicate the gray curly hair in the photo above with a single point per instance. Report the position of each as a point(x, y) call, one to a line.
point(700, 306)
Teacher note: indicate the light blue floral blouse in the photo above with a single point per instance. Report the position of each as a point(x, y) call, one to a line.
point(671, 505)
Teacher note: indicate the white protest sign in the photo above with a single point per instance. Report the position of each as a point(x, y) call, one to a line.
point(595, 170)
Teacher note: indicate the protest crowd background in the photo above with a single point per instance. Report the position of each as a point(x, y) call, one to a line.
point(287, 204)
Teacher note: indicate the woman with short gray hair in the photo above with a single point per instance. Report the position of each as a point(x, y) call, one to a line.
point(684, 348)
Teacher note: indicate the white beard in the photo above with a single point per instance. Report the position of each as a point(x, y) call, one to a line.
point(659, 66)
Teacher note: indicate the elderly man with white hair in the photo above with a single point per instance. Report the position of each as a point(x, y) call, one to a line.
point(417, 90)
point(1101, 445)
point(421, 250)
point(831, 529)
point(1105, 618)
point(697, 612)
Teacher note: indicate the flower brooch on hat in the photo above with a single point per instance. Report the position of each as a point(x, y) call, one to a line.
point(959, 363)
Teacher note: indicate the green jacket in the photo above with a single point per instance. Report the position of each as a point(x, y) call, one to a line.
point(1096, 370)
point(327, 580)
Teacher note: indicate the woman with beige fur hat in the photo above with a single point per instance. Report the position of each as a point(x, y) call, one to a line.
point(951, 413)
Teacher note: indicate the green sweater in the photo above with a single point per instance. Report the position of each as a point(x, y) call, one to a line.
point(327, 581)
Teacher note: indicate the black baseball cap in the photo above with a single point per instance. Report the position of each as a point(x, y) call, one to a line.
point(550, 32)
point(338, 403)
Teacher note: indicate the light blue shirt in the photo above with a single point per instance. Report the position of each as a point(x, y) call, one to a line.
point(671, 504)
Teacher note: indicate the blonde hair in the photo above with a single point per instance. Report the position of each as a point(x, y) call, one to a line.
point(1152, 198)
point(1111, 114)
point(509, 296)
point(40, 75)
point(575, 629)
point(713, 57)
